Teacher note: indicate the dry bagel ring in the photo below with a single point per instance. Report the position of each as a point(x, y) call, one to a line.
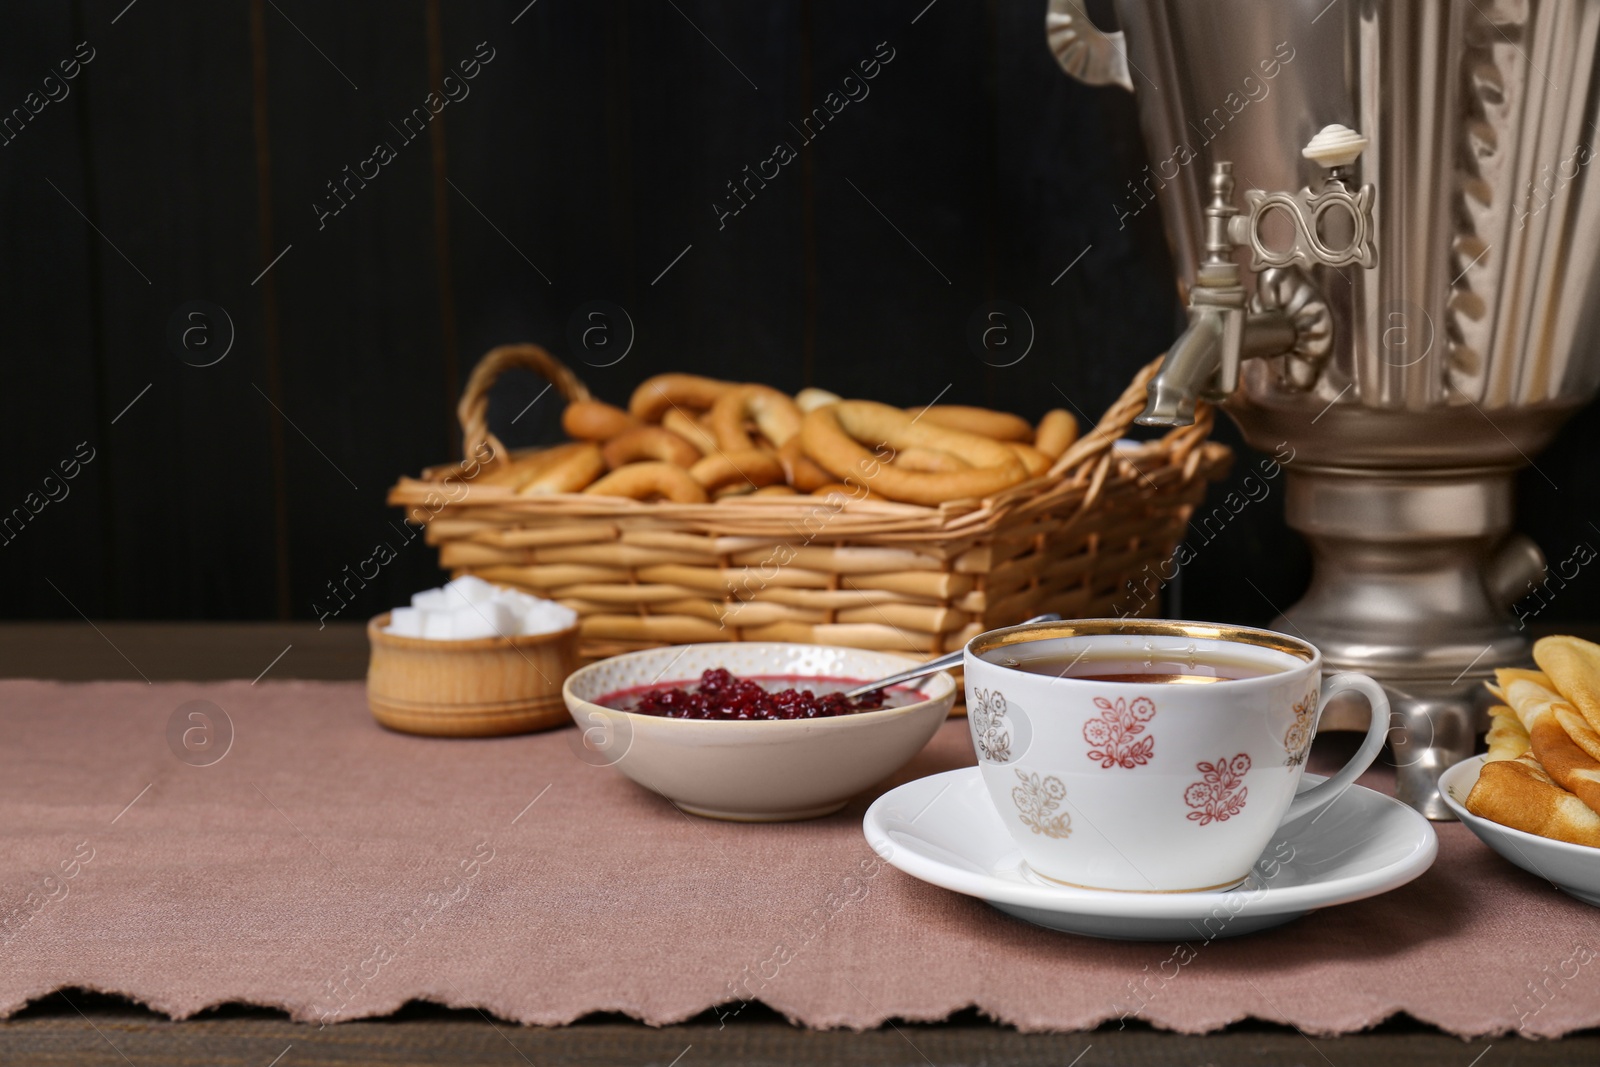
point(642, 481)
point(799, 470)
point(649, 442)
point(776, 489)
point(811, 398)
point(1056, 432)
point(832, 436)
point(522, 467)
point(749, 465)
point(515, 468)
point(1032, 458)
point(568, 473)
point(775, 413)
point(594, 420)
point(664, 391)
point(688, 427)
point(928, 459)
point(1000, 425)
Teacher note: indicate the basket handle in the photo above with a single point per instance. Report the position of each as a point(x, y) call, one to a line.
point(1120, 415)
point(473, 411)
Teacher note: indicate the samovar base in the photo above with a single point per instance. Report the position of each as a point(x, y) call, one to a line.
point(1433, 724)
point(1415, 572)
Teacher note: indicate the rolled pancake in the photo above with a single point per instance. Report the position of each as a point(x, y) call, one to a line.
point(1504, 676)
point(1507, 739)
point(1583, 735)
point(1566, 763)
point(1519, 794)
point(1574, 669)
point(1571, 674)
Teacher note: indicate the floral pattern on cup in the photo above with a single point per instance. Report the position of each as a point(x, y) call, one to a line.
point(1037, 802)
point(1220, 794)
point(1114, 735)
point(1297, 740)
point(991, 733)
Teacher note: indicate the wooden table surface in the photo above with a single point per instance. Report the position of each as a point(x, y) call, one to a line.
point(76, 1027)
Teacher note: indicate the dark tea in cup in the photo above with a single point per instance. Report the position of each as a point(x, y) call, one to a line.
point(1151, 666)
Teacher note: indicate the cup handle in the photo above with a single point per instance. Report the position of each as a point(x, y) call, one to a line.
point(1323, 794)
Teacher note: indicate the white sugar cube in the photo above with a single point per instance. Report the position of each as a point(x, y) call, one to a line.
point(472, 589)
point(491, 619)
point(470, 608)
point(516, 598)
point(405, 622)
point(522, 603)
point(547, 617)
point(434, 600)
point(469, 624)
point(507, 620)
point(456, 595)
point(436, 625)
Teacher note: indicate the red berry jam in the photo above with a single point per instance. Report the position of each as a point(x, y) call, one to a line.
point(721, 697)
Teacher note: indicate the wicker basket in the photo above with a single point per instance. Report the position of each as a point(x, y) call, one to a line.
point(863, 573)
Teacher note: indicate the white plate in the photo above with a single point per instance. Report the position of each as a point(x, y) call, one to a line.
point(943, 829)
point(1574, 869)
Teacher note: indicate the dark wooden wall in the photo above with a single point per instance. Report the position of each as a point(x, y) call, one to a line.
point(584, 163)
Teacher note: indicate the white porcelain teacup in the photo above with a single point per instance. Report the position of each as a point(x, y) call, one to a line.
point(1171, 778)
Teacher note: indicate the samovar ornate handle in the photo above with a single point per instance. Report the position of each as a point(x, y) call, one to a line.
point(1084, 51)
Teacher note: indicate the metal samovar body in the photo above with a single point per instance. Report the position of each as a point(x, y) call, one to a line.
point(1387, 232)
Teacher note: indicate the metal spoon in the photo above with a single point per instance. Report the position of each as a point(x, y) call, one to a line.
point(933, 666)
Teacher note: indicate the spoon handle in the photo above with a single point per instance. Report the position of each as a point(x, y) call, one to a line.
point(933, 666)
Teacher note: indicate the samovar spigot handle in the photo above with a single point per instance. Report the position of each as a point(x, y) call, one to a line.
point(1218, 291)
point(1333, 227)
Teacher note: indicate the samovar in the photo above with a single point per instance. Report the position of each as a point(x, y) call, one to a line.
point(1387, 233)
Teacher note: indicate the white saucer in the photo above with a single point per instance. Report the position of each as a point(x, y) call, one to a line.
point(943, 829)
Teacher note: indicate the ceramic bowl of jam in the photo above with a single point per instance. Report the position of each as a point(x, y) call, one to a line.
point(753, 731)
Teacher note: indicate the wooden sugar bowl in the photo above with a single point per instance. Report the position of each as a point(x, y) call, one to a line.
point(487, 687)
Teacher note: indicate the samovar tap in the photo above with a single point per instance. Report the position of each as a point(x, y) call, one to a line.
point(1225, 327)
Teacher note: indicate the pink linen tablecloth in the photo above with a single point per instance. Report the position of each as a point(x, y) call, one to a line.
point(335, 870)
